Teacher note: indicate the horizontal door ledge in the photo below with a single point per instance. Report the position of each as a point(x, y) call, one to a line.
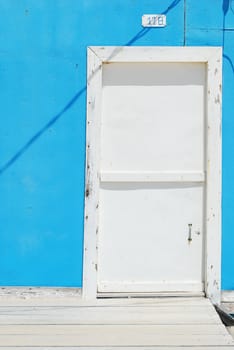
point(151, 287)
point(151, 176)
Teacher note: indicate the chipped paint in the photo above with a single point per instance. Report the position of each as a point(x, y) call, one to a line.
point(87, 192)
point(217, 99)
point(212, 112)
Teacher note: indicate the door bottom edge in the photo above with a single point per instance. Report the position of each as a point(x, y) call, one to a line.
point(103, 295)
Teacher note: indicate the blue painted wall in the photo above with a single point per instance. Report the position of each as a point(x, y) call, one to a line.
point(212, 23)
point(42, 135)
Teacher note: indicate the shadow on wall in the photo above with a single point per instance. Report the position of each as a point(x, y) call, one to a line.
point(227, 5)
point(74, 99)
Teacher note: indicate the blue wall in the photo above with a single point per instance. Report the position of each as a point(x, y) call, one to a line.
point(212, 23)
point(42, 135)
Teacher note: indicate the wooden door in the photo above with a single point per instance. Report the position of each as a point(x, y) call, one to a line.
point(153, 171)
point(151, 223)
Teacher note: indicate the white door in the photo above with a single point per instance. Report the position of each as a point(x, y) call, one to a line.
point(151, 163)
point(152, 178)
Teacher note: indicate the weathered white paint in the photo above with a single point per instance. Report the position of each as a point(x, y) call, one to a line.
point(138, 247)
point(225, 347)
point(151, 287)
point(168, 323)
point(148, 54)
point(148, 176)
point(39, 293)
point(94, 85)
point(148, 314)
point(117, 348)
point(214, 166)
point(203, 57)
point(111, 335)
point(55, 301)
point(228, 297)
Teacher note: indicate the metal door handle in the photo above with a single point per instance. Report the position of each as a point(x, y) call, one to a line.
point(190, 233)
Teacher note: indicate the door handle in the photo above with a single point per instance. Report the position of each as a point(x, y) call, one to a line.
point(190, 233)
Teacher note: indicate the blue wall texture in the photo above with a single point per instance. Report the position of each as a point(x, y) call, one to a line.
point(42, 135)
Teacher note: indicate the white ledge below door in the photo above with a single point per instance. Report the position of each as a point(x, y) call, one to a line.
point(151, 176)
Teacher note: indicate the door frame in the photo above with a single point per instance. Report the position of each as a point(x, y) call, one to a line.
point(212, 57)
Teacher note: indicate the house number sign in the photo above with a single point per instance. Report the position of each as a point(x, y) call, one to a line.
point(154, 21)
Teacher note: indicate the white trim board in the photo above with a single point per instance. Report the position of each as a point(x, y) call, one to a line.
point(212, 57)
point(152, 176)
point(227, 296)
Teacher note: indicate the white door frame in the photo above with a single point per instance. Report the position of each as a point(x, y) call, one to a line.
point(212, 57)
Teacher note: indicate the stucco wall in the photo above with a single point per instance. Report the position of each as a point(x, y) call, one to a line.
point(42, 135)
